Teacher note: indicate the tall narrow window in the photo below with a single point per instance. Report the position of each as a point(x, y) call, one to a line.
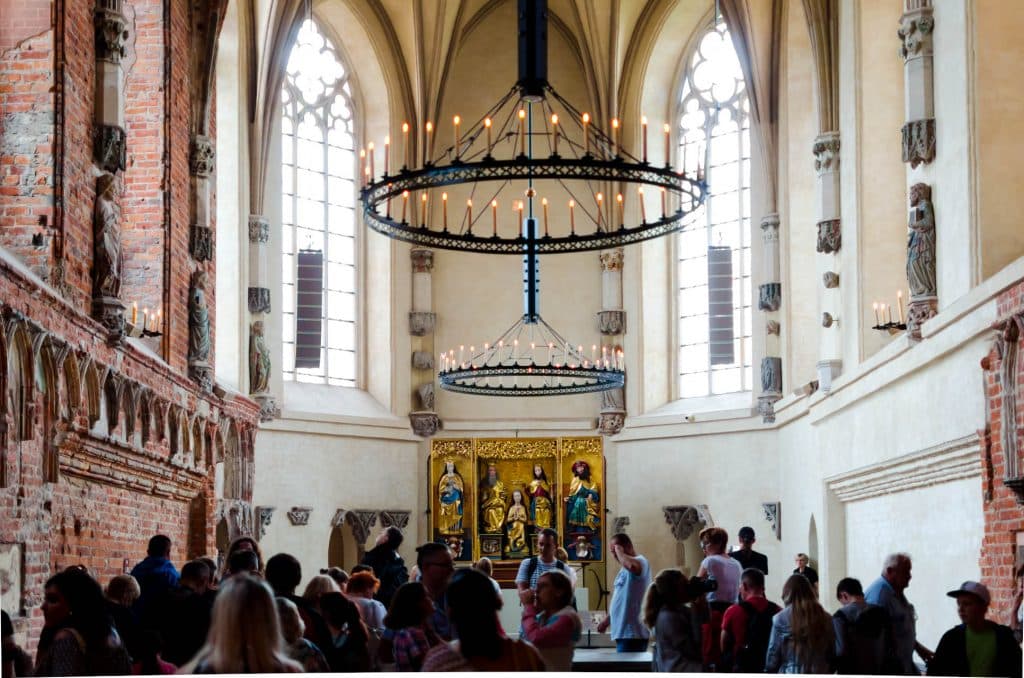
point(714, 293)
point(318, 244)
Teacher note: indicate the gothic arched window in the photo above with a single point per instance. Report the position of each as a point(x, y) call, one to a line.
point(318, 209)
point(713, 267)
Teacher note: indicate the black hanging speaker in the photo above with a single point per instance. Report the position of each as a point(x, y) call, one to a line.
point(721, 333)
point(309, 308)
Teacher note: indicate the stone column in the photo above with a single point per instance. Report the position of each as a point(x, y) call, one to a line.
point(611, 320)
point(769, 301)
point(916, 47)
point(826, 164)
point(259, 305)
point(423, 419)
point(109, 154)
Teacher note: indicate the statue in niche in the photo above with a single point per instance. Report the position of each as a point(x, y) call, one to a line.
point(583, 503)
point(451, 492)
point(921, 245)
point(516, 521)
point(259, 360)
point(492, 501)
point(539, 492)
point(108, 256)
point(198, 320)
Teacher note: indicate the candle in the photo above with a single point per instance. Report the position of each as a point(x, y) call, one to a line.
point(405, 144)
point(622, 209)
point(600, 204)
point(572, 216)
point(664, 202)
point(159, 316)
point(888, 309)
point(444, 210)
point(369, 157)
point(366, 176)
point(424, 215)
point(643, 208)
point(519, 207)
point(544, 204)
point(405, 204)
point(145, 318)
point(643, 136)
point(494, 216)
point(877, 321)
point(387, 147)
point(469, 215)
point(455, 133)
point(586, 133)
point(522, 131)
point(554, 128)
point(615, 137)
point(426, 144)
point(487, 126)
point(593, 352)
point(668, 148)
point(899, 304)
point(135, 312)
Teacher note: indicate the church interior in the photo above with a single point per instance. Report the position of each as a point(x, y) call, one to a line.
point(215, 322)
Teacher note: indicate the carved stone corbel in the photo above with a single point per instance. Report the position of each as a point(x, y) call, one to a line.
point(363, 522)
point(109, 147)
point(259, 300)
point(201, 161)
point(830, 279)
point(263, 516)
point(830, 236)
point(201, 242)
point(685, 518)
point(611, 322)
point(769, 297)
point(425, 424)
point(620, 524)
point(423, 360)
point(393, 518)
point(259, 229)
point(299, 515)
point(919, 141)
point(421, 323)
point(773, 514)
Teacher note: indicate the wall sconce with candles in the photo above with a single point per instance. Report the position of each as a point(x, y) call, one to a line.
point(884, 321)
point(151, 322)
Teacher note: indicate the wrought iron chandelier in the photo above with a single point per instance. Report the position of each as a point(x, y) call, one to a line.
point(531, 142)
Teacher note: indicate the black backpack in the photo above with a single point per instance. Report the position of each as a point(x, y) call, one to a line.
point(868, 642)
point(532, 567)
point(750, 658)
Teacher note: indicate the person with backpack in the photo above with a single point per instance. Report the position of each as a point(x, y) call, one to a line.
point(864, 640)
point(747, 625)
point(388, 566)
point(530, 569)
point(674, 624)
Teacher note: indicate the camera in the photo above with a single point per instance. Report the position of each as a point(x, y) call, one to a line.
point(698, 586)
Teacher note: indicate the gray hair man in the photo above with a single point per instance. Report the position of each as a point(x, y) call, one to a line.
point(888, 592)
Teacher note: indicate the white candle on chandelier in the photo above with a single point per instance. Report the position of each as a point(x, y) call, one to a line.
point(668, 147)
point(899, 304)
point(600, 204)
point(622, 361)
point(522, 131)
point(572, 215)
point(424, 219)
point(615, 137)
point(643, 207)
point(622, 209)
point(405, 144)
point(135, 312)
point(405, 204)
point(875, 307)
point(494, 216)
point(519, 208)
point(461, 349)
point(586, 133)
point(455, 134)
point(664, 204)
point(429, 127)
point(369, 157)
point(366, 175)
point(145, 319)
point(469, 214)
point(544, 204)
point(515, 351)
point(554, 132)
point(387, 149)
point(444, 210)
point(487, 126)
point(593, 352)
point(643, 136)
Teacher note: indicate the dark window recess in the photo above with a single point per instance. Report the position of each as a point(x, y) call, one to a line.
point(309, 308)
point(721, 345)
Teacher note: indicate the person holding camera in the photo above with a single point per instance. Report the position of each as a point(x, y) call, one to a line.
point(628, 631)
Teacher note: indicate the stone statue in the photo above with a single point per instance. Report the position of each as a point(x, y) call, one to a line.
point(921, 245)
point(198, 320)
point(539, 492)
point(259, 360)
point(492, 501)
point(583, 503)
point(517, 517)
point(450, 491)
point(108, 256)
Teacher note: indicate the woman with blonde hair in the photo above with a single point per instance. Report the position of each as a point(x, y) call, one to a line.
point(676, 627)
point(295, 646)
point(245, 634)
point(318, 586)
point(803, 637)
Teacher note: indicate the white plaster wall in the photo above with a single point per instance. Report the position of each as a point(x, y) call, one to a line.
point(939, 526)
point(328, 467)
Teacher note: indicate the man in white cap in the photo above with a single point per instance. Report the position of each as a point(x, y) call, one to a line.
point(978, 647)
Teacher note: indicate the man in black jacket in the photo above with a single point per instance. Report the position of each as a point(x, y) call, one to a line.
point(978, 647)
point(387, 565)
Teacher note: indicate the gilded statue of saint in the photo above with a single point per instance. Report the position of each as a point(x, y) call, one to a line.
point(539, 492)
point(517, 517)
point(451, 492)
point(921, 244)
point(584, 501)
point(492, 501)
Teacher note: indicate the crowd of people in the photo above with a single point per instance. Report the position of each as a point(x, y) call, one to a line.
point(247, 617)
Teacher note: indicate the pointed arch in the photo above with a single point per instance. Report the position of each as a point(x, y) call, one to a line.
point(4, 407)
point(198, 440)
point(48, 381)
point(72, 387)
point(93, 394)
point(112, 402)
point(21, 378)
point(174, 430)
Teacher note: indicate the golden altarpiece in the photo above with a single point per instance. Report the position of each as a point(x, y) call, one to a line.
point(492, 496)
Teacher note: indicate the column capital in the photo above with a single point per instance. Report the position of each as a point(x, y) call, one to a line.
point(259, 229)
point(612, 260)
point(422, 260)
point(826, 152)
point(203, 156)
point(917, 26)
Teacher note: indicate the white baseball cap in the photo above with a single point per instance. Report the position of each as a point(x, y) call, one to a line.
point(975, 589)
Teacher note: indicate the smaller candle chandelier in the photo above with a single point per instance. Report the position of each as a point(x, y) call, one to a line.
point(884, 321)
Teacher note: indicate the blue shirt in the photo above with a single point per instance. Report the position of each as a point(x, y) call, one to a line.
point(904, 620)
point(627, 599)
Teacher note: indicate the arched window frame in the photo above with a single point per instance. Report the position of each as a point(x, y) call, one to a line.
point(343, 87)
point(683, 244)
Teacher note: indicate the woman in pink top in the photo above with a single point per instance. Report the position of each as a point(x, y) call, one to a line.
point(550, 622)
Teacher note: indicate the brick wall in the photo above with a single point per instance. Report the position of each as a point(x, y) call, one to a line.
point(73, 488)
point(1004, 516)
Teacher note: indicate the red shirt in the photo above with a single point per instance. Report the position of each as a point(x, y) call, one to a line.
point(735, 619)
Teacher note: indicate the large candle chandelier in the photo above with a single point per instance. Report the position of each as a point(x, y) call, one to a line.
point(537, 154)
